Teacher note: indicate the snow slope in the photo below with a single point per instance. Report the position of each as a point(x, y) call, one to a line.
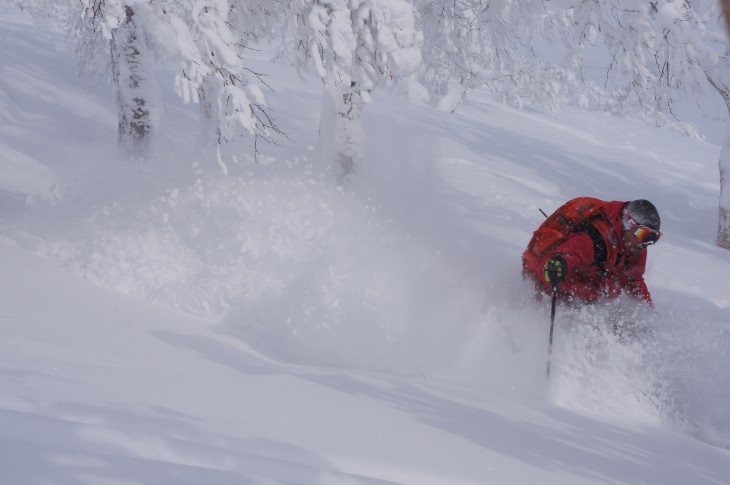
point(173, 324)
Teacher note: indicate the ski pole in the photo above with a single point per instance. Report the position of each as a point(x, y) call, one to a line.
point(552, 326)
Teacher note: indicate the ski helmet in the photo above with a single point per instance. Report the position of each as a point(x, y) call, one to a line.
point(644, 213)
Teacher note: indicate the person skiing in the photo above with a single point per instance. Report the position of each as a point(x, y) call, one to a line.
point(591, 250)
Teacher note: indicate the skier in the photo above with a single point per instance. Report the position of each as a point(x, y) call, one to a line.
point(591, 250)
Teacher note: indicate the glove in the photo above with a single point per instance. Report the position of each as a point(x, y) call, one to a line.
point(556, 269)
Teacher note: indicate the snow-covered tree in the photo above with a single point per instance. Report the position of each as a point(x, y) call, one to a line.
point(719, 78)
point(213, 71)
point(351, 45)
point(245, 22)
point(661, 50)
point(456, 51)
point(207, 39)
point(723, 226)
point(137, 92)
point(124, 24)
point(473, 43)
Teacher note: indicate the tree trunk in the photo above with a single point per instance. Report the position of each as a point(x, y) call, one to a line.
point(723, 225)
point(340, 130)
point(726, 12)
point(131, 66)
point(210, 132)
point(327, 130)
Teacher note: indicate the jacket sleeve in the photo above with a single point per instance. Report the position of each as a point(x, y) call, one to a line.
point(634, 283)
point(577, 252)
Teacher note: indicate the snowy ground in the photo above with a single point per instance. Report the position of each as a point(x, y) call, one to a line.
point(170, 324)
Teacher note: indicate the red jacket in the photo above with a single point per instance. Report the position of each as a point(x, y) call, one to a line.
point(585, 281)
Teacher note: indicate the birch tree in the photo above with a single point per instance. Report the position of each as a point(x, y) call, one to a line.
point(137, 92)
point(124, 25)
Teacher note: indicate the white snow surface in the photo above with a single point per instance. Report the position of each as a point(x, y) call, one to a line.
point(204, 319)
